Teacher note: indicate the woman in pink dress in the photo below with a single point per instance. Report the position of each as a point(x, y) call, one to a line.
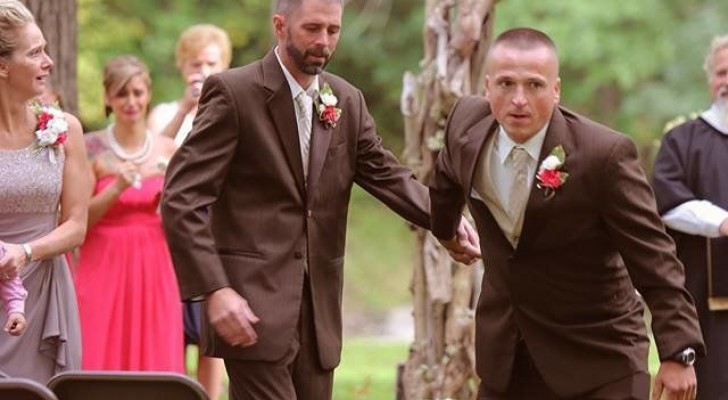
point(127, 291)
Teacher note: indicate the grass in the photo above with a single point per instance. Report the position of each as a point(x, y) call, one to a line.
point(368, 369)
point(379, 249)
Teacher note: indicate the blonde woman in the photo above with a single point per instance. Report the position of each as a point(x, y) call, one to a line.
point(44, 192)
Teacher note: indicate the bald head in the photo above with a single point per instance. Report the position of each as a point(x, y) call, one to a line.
point(287, 7)
point(523, 39)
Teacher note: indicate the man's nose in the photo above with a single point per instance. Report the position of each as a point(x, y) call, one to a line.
point(519, 96)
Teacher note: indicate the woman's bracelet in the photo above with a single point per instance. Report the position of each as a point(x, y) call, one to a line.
point(28, 252)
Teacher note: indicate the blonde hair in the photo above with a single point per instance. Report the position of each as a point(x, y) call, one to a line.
point(195, 38)
point(119, 70)
point(716, 45)
point(13, 16)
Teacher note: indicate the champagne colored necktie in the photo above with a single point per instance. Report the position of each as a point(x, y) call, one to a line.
point(519, 190)
point(303, 101)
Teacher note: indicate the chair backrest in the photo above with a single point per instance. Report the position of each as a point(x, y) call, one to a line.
point(124, 385)
point(24, 389)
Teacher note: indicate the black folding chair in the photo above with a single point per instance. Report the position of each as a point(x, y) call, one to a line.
point(123, 385)
point(24, 389)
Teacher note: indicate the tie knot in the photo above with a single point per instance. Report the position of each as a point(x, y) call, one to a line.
point(301, 99)
point(519, 155)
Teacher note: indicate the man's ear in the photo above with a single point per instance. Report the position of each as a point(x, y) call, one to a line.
point(279, 22)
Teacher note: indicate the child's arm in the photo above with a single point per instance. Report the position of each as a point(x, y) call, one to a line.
point(13, 294)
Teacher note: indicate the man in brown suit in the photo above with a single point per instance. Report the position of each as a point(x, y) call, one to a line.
point(568, 229)
point(256, 201)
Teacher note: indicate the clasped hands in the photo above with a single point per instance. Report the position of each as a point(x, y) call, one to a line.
point(465, 246)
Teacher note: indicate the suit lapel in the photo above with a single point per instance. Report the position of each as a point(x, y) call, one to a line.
point(283, 115)
point(537, 213)
point(471, 147)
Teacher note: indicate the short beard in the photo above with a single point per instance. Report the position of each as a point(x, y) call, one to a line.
point(299, 58)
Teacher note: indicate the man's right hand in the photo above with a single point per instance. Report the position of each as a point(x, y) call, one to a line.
point(465, 246)
point(231, 317)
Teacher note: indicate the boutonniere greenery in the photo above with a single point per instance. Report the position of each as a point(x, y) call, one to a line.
point(51, 129)
point(326, 108)
point(551, 174)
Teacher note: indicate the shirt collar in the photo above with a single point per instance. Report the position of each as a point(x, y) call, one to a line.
point(312, 90)
point(715, 117)
point(504, 144)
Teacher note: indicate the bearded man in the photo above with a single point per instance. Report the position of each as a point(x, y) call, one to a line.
point(691, 188)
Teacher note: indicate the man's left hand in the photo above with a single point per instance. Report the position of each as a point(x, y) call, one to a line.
point(675, 381)
point(465, 246)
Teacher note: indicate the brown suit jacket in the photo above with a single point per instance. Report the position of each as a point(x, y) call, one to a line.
point(568, 289)
point(237, 212)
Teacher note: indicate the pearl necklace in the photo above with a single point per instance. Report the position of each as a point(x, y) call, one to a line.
point(138, 157)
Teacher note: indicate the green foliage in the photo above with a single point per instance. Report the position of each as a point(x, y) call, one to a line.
point(149, 30)
point(632, 64)
point(380, 40)
point(379, 251)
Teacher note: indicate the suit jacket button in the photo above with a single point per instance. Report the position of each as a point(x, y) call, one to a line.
point(298, 255)
point(309, 213)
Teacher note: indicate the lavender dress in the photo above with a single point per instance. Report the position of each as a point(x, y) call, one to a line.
point(30, 188)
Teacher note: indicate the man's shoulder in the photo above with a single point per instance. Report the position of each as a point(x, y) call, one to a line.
point(688, 128)
point(476, 106)
point(595, 132)
point(244, 72)
point(339, 85)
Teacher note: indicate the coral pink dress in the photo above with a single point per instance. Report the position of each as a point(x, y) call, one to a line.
point(127, 291)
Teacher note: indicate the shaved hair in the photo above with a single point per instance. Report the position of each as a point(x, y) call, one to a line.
point(287, 7)
point(524, 39)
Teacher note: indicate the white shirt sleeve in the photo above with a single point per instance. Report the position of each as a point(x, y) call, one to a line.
point(696, 217)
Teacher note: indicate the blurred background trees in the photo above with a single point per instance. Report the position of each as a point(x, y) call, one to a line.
point(632, 64)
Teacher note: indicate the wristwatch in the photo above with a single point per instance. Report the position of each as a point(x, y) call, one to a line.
point(685, 357)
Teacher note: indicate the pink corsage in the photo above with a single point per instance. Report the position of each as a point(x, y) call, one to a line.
point(51, 129)
point(550, 175)
point(326, 108)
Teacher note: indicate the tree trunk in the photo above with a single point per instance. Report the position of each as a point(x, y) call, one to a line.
point(57, 20)
point(441, 363)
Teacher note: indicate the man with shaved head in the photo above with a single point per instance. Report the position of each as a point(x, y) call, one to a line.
point(569, 230)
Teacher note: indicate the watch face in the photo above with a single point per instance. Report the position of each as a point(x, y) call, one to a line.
point(687, 356)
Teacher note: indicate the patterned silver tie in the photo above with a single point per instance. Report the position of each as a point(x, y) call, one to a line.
point(303, 101)
point(519, 190)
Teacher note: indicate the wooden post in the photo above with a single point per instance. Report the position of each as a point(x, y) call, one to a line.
point(441, 360)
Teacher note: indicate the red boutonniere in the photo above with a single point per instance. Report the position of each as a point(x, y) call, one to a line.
point(51, 129)
point(326, 108)
point(550, 175)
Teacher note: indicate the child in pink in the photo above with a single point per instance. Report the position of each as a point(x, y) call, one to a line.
point(12, 296)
